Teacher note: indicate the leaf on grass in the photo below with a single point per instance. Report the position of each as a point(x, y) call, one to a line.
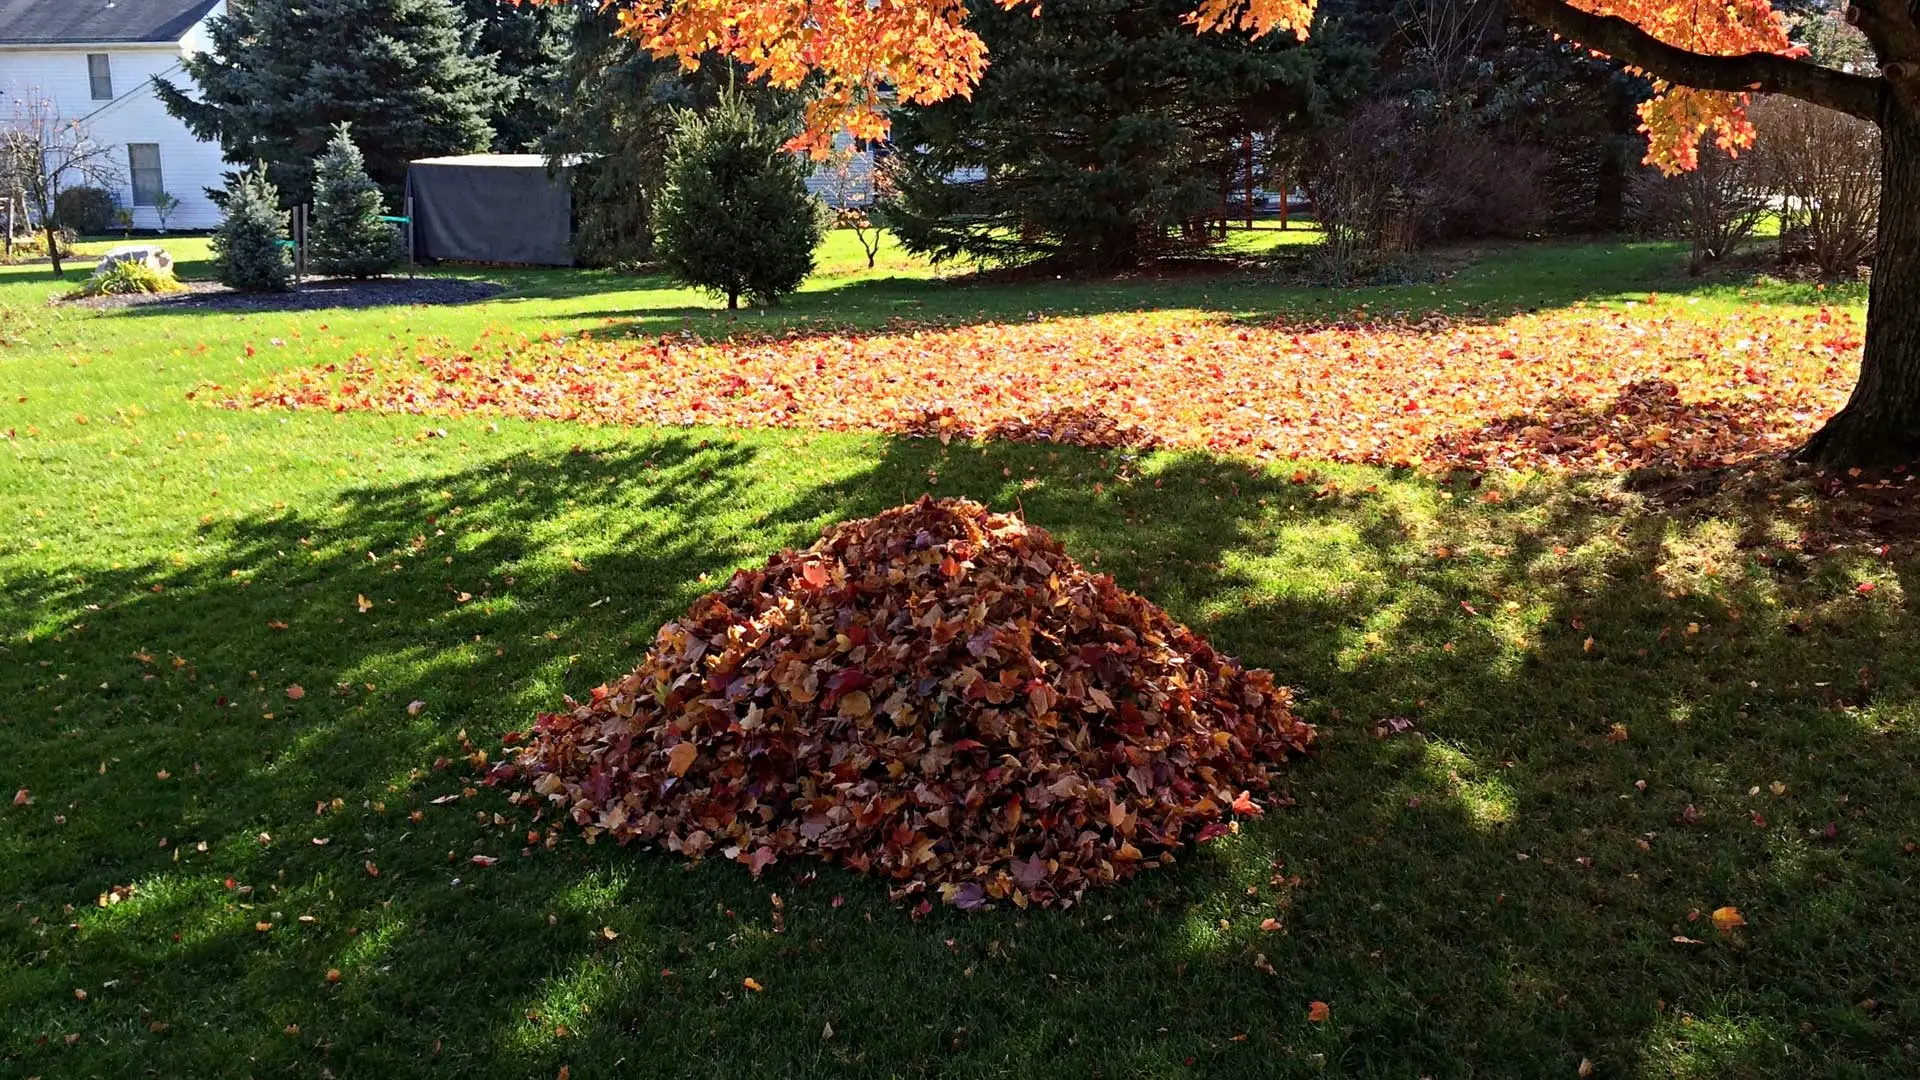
point(1727, 918)
point(1592, 388)
point(1318, 1012)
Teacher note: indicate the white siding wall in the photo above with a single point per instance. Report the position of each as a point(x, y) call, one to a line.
point(187, 165)
point(826, 184)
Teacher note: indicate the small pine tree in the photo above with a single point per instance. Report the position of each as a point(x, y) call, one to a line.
point(348, 239)
point(735, 217)
point(247, 251)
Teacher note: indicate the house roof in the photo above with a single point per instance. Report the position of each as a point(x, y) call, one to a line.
point(86, 22)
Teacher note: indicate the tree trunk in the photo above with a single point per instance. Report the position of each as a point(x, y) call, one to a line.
point(53, 244)
point(733, 300)
point(1880, 425)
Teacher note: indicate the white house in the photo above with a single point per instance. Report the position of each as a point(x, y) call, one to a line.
point(96, 61)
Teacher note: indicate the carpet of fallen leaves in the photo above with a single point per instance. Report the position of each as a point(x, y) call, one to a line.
point(937, 695)
point(1587, 388)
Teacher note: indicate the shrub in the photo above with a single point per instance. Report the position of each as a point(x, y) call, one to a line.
point(1716, 206)
point(735, 218)
point(163, 207)
point(347, 237)
point(88, 211)
point(128, 278)
point(1825, 166)
point(1359, 184)
point(248, 250)
point(1391, 180)
point(33, 246)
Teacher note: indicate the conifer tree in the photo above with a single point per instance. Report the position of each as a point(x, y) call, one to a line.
point(1100, 134)
point(249, 248)
point(281, 73)
point(735, 217)
point(346, 236)
point(528, 43)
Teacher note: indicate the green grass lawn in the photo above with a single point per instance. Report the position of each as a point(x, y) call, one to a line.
point(1480, 876)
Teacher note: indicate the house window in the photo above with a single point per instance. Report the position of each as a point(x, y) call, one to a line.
point(143, 161)
point(100, 74)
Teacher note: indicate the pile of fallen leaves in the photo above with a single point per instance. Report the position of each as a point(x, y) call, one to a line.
point(938, 695)
point(1558, 389)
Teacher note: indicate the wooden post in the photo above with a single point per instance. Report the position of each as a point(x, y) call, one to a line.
point(300, 244)
point(406, 208)
point(1249, 180)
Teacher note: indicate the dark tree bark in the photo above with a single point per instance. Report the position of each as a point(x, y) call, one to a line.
point(1880, 425)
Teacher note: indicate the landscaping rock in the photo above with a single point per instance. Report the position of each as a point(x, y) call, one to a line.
point(154, 256)
point(937, 695)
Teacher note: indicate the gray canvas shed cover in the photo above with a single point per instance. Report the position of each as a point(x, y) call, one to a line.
point(498, 208)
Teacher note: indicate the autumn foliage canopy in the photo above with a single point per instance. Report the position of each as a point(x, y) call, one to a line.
point(922, 51)
point(938, 695)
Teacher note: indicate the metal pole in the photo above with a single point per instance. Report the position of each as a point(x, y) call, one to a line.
point(407, 208)
point(1284, 199)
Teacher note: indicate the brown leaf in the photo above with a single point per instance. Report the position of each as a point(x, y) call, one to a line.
point(680, 758)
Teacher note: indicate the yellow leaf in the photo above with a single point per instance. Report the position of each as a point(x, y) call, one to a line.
point(1726, 918)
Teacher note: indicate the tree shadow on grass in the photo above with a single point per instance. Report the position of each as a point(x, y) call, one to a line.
point(1497, 282)
point(1442, 907)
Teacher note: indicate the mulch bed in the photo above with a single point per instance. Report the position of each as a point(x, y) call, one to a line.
point(315, 293)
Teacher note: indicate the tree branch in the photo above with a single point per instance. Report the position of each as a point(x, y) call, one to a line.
point(1856, 95)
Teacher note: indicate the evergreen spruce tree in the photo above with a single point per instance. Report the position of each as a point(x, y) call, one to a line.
point(346, 237)
point(247, 249)
point(617, 107)
point(280, 73)
point(1101, 132)
point(528, 43)
point(735, 217)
